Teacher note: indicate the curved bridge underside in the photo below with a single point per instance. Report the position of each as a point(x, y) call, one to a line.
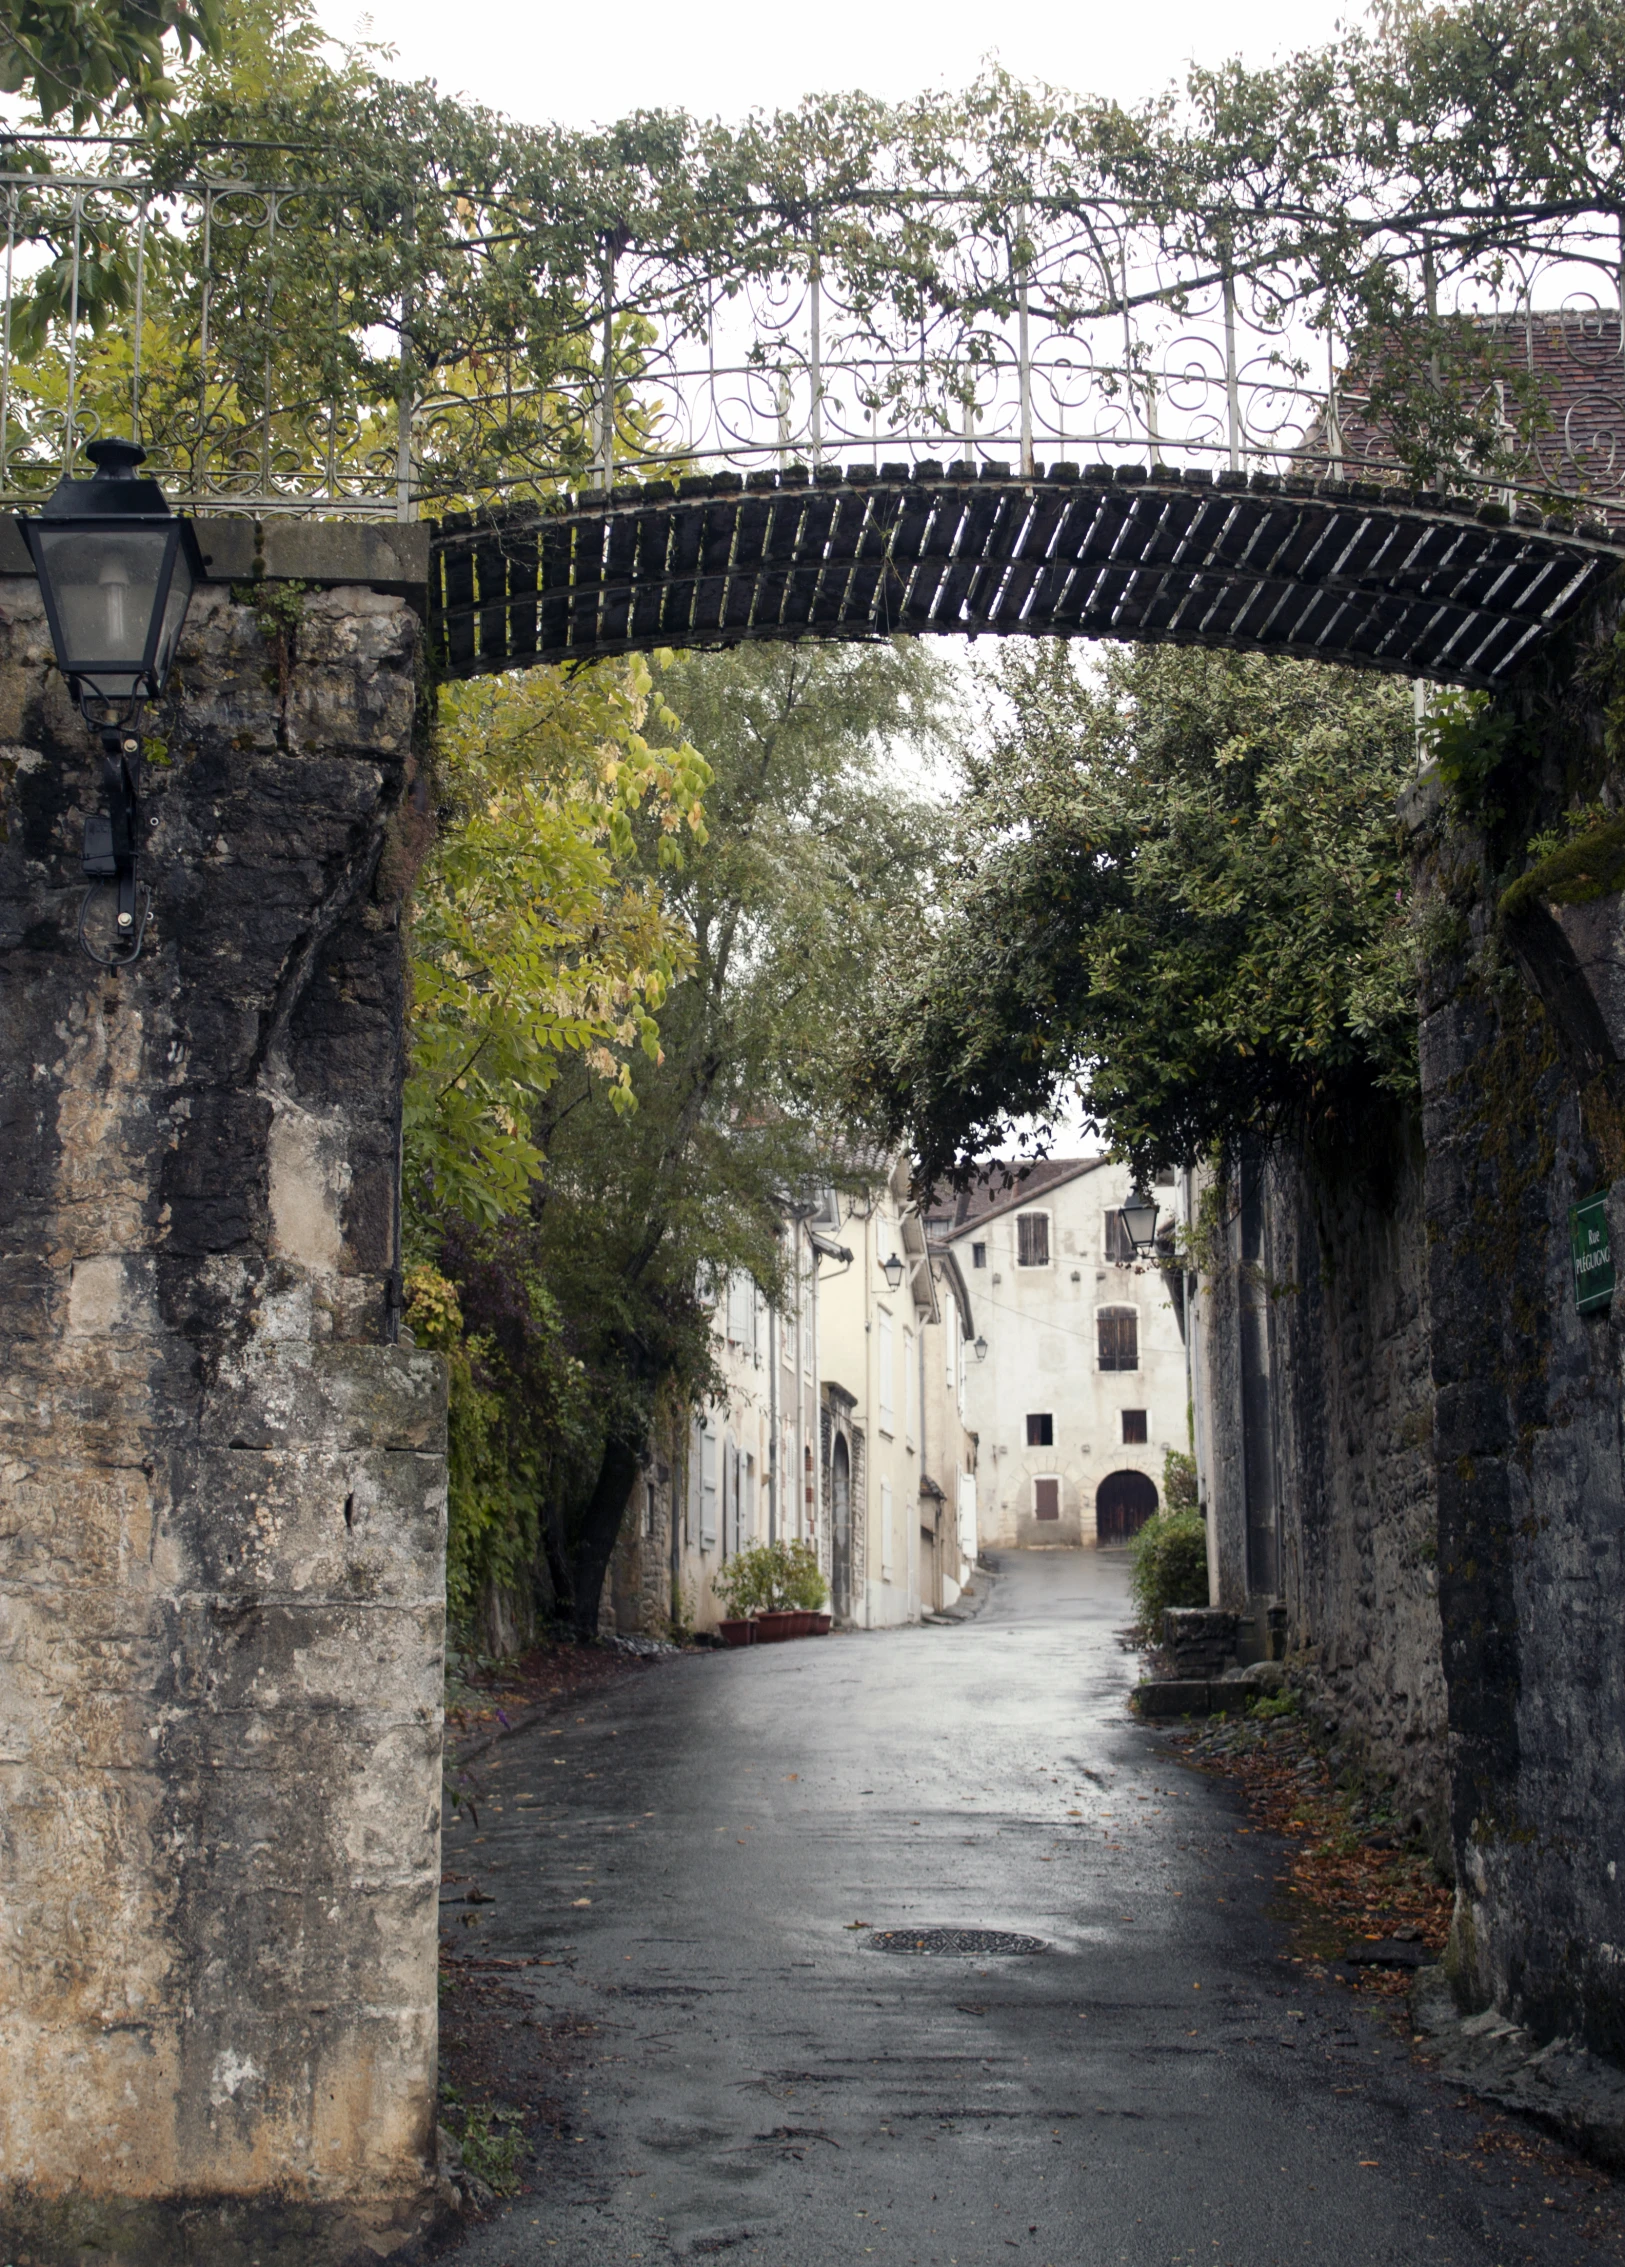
point(1374, 577)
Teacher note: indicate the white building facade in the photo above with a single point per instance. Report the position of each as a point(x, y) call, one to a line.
point(1084, 1386)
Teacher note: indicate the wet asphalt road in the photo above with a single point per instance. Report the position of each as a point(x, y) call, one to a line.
point(1160, 2085)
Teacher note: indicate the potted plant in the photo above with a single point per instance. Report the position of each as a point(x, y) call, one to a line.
point(742, 1588)
point(804, 1589)
point(771, 1591)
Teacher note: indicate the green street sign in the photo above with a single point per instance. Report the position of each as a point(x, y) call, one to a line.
point(1593, 1260)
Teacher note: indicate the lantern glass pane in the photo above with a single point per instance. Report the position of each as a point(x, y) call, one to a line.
point(106, 584)
point(175, 605)
point(1140, 1219)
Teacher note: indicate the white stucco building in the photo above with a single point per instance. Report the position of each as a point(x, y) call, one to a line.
point(898, 1459)
point(1083, 1387)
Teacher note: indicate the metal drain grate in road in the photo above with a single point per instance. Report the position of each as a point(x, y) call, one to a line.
point(982, 1941)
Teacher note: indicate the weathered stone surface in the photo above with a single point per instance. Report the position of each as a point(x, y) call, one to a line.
point(1200, 1641)
point(1324, 1417)
point(222, 1486)
point(1522, 1040)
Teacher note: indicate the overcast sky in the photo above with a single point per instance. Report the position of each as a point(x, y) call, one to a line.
point(585, 64)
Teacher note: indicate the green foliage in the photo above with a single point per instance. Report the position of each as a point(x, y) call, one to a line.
point(97, 58)
point(769, 1578)
point(536, 936)
point(462, 253)
point(1470, 737)
point(1178, 1481)
point(491, 2139)
point(1272, 1705)
point(1179, 888)
point(1169, 1567)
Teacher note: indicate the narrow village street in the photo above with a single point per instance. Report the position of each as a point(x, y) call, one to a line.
point(677, 1870)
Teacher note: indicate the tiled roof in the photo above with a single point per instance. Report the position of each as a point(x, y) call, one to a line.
point(989, 1195)
point(1575, 353)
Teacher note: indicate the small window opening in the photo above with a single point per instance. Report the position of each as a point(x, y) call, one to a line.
point(1041, 1431)
point(1134, 1433)
point(978, 1255)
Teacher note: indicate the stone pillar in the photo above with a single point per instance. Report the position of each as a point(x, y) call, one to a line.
point(222, 1481)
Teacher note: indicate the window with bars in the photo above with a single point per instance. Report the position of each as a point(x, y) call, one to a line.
point(1032, 1239)
point(1134, 1433)
point(1119, 1329)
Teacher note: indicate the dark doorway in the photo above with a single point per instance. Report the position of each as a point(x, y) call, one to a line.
point(1124, 1501)
point(1046, 1499)
point(840, 1505)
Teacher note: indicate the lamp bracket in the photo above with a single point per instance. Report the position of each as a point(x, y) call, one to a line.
point(112, 839)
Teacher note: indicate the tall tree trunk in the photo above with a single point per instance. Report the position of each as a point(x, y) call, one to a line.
point(600, 1530)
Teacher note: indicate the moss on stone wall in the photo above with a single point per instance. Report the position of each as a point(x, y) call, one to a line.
point(1589, 867)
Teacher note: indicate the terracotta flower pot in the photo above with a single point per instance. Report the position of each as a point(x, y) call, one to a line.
point(822, 1624)
point(772, 1629)
point(737, 1632)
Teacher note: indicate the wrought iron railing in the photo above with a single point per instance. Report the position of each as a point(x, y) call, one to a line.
point(289, 342)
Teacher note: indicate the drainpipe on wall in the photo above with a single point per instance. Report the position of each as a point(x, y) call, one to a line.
point(772, 1424)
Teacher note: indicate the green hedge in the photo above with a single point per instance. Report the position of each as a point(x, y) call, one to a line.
point(1170, 1566)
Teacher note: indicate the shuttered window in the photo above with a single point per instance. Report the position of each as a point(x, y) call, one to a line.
point(1032, 1239)
point(1119, 1243)
point(1119, 1338)
point(1133, 1427)
point(885, 1382)
point(1046, 1499)
point(709, 1445)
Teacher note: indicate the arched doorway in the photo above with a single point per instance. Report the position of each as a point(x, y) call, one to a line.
point(840, 1507)
point(1124, 1501)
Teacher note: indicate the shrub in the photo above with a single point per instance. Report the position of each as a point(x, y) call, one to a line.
point(1179, 1482)
point(768, 1577)
point(1170, 1566)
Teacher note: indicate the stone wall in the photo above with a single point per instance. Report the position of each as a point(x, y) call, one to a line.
point(1523, 1054)
point(1319, 1468)
point(222, 1483)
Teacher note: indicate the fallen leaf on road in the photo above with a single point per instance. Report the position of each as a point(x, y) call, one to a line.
point(579, 1902)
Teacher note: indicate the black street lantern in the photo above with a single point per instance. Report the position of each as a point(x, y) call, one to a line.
point(980, 1349)
point(892, 1270)
point(1139, 1217)
point(117, 571)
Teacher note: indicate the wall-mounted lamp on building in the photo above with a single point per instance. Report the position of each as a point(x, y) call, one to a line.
point(116, 570)
point(892, 1270)
point(980, 1349)
point(1139, 1218)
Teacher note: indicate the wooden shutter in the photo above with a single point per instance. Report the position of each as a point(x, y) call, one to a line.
point(1032, 1239)
point(1119, 1329)
point(708, 1489)
point(1046, 1499)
